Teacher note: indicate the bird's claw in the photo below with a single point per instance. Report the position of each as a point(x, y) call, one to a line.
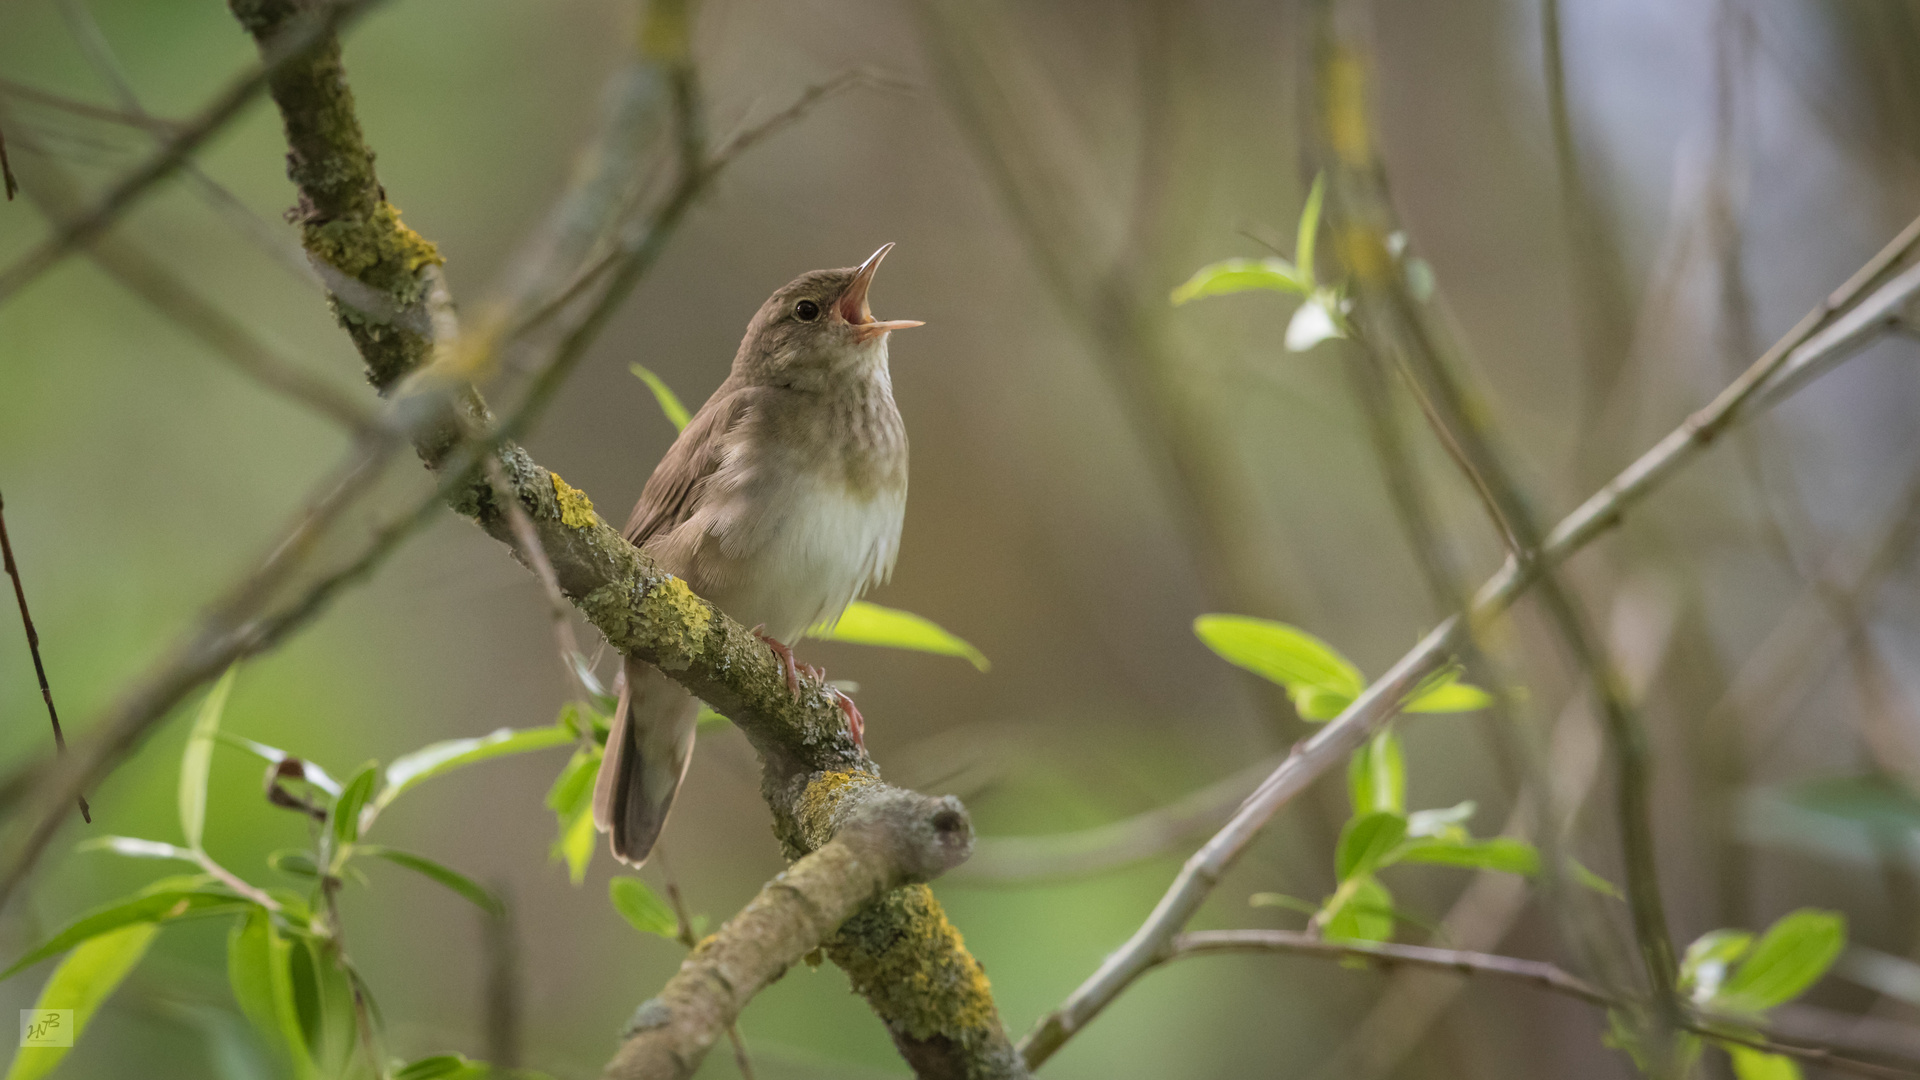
point(855, 721)
point(784, 654)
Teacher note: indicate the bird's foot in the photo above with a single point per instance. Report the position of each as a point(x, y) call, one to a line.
point(854, 720)
point(784, 654)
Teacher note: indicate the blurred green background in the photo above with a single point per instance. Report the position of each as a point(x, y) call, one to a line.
point(1744, 157)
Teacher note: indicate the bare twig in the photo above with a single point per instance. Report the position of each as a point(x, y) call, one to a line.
point(1820, 340)
point(529, 546)
point(691, 940)
point(33, 646)
point(301, 37)
point(25, 92)
point(6, 170)
point(501, 992)
point(1536, 973)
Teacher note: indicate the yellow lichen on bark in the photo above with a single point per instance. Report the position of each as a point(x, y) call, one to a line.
point(922, 981)
point(380, 251)
point(822, 798)
point(576, 510)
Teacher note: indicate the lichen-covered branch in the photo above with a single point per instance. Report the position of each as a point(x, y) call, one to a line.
point(888, 842)
point(899, 950)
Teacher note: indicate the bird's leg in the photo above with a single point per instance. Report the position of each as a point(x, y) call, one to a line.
point(785, 656)
point(854, 720)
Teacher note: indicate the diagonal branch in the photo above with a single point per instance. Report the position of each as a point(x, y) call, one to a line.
point(1821, 340)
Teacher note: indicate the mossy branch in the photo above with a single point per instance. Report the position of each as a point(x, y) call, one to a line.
point(890, 841)
point(898, 949)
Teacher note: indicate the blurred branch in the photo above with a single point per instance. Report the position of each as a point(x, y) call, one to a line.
point(61, 103)
point(502, 994)
point(1845, 321)
point(1536, 973)
point(692, 941)
point(7, 180)
point(290, 45)
point(33, 647)
point(887, 842)
point(1362, 219)
point(527, 541)
point(899, 950)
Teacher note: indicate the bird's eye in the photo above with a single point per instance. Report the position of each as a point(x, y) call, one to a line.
point(807, 310)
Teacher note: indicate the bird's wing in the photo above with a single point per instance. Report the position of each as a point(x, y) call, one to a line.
point(673, 490)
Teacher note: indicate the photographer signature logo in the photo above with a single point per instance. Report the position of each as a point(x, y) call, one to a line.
point(46, 1027)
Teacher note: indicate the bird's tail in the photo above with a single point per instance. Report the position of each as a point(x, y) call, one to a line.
point(648, 749)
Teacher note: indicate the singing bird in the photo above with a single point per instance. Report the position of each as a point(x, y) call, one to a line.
point(780, 503)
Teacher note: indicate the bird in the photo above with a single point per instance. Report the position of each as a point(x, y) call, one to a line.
point(780, 503)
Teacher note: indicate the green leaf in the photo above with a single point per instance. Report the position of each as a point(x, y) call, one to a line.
point(323, 1002)
point(573, 788)
point(643, 908)
point(1594, 881)
point(259, 971)
point(135, 848)
point(1309, 229)
point(1442, 822)
point(198, 759)
point(445, 875)
point(1751, 1064)
point(669, 401)
point(870, 624)
point(1282, 900)
point(1377, 775)
point(1283, 654)
point(446, 1067)
point(344, 818)
point(576, 843)
point(145, 908)
point(1242, 275)
point(1447, 694)
point(82, 983)
point(1364, 912)
point(1877, 801)
point(1318, 704)
point(1788, 958)
point(292, 861)
point(1312, 323)
point(273, 755)
point(1365, 841)
point(1501, 853)
point(1704, 967)
point(443, 757)
point(708, 719)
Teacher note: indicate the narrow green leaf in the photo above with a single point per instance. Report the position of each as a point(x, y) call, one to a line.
point(642, 907)
point(1501, 853)
point(273, 755)
point(323, 1000)
point(1449, 697)
point(573, 788)
point(135, 848)
point(669, 401)
point(145, 908)
point(1882, 802)
point(1309, 230)
point(445, 875)
point(259, 971)
point(443, 757)
point(1594, 881)
point(447, 1067)
point(1792, 955)
point(1751, 1064)
point(1365, 841)
point(344, 818)
point(1317, 704)
point(289, 861)
point(198, 759)
point(870, 624)
point(1241, 275)
point(81, 984)
point(1440, 822)
point(576, 843)
point(1377, 775)
point(1283, 654)
point(1282, 900)
point(1704, 967)
point(1364, 912)
point(708, 719)
point(1312, 323)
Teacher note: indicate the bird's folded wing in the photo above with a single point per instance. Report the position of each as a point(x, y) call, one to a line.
point(672, 492)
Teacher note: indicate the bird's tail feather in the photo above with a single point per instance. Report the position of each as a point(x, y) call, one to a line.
point(648, 749)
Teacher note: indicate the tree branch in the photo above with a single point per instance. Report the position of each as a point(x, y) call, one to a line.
point(1822, 339)
point(887, 842)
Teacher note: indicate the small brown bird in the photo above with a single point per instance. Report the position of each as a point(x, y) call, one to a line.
point(780, 503)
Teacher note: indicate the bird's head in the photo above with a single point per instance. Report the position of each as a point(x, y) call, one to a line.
point(818, 326)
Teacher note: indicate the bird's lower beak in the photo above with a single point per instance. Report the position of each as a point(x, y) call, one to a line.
point(853, 303)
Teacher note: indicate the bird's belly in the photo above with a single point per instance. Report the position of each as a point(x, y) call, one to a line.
point(806, 554)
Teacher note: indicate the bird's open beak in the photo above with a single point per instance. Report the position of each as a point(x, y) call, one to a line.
point(853, 303)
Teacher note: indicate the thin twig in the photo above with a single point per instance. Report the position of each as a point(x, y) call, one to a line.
point(1811, 346)
point(6, 170)
point(301, 36)
point(33, 646)
point(26, 92)
point(685, 933)
point(535, 553)
point(1536, 973)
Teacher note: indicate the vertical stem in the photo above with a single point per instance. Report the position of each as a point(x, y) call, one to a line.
point(26, 619)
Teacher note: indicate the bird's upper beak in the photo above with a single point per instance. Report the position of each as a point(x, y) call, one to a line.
point(853, 303)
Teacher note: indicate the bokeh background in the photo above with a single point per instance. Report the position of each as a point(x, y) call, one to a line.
point(1075, 504)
